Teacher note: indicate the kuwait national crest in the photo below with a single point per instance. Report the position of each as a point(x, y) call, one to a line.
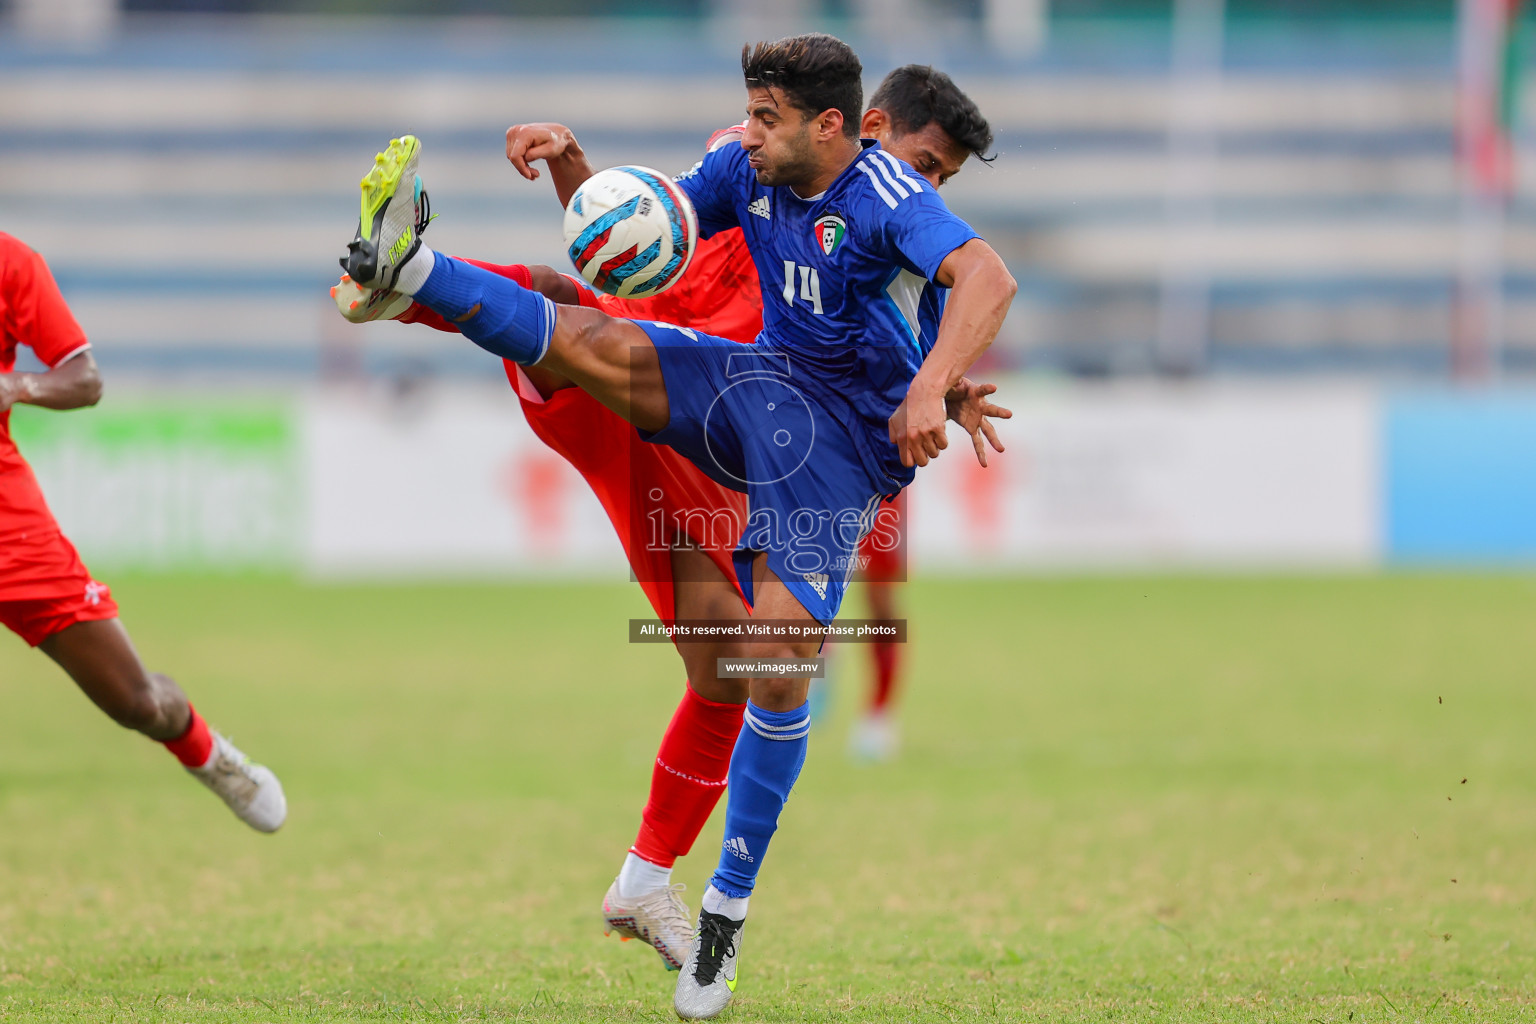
point(829, 232)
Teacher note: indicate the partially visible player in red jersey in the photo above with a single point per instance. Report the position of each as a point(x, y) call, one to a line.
point(687, 572)
point(48, 598)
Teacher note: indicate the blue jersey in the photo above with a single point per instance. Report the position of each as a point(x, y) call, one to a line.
point(846, 278)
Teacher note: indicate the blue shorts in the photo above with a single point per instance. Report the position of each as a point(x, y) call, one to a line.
point(737, 414)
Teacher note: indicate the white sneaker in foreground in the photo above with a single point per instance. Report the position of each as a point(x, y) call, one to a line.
point(874, 738)
point(659, 919)
point(250, 790)
point(708, 978)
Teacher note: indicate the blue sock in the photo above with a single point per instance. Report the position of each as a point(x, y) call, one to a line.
point(499, 315)
point(769, 754)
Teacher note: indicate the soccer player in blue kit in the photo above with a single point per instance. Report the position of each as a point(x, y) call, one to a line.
point(829, 411)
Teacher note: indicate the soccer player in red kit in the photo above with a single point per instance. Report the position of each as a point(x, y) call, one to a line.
point(689, 573)
point(48, 598)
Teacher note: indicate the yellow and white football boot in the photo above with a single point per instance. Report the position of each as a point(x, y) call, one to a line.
point(394, 213)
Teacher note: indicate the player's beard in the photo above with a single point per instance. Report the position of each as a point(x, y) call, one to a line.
point(795, 165)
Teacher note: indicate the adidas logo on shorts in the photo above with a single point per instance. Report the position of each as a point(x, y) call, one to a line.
point(818, 582)
point(738, 846)
point(759, 206)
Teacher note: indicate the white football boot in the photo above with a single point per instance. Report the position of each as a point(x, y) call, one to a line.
point(394, 214)
point(708, 978)
point(250, 790)
point(659, 919)
point(364, 305)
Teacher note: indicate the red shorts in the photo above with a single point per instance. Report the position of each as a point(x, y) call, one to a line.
point(654, 497)
point(53, 590)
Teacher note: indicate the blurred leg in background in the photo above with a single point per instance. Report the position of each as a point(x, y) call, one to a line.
point(875, 736)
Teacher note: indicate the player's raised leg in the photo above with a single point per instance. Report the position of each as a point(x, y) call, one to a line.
point(100, 658)
point(769, 755)
point(611, 359)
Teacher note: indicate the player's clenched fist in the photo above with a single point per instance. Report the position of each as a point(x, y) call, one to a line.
point(362, 305)
point(917, 427)
point(544, 141)
point(556, 145)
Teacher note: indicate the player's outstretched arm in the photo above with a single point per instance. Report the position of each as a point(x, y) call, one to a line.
point(73, 384)
point(556, 145)
point(982, 292)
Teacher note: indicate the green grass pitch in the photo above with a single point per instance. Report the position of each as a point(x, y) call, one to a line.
point(1208, 799)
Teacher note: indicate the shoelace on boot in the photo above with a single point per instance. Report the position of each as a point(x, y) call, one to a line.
point(423, 214)
point(717, 940)
point(668, 903)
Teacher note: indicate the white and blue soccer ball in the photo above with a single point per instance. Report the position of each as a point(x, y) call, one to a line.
point(630, 231)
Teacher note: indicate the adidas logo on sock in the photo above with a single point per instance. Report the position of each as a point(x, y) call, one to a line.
point(738, 846)
point(759, 206)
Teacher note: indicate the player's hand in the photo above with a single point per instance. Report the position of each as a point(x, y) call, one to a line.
point(10, 391)
point(362, 305)
point(529, 142)
point(917, 427)
point(967, 405)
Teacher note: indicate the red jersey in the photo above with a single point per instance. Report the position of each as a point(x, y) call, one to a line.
point(34, 561)
point(646, 489)
point(718, 295)
point(32, 313)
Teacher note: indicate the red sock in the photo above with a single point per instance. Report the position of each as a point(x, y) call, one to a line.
point(885, 674)
point(193, 746)
point(689, 777)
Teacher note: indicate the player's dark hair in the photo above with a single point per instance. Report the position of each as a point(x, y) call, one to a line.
point(916, 95)
point(815, 71)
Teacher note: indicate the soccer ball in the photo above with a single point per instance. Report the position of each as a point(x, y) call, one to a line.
point(630, 231)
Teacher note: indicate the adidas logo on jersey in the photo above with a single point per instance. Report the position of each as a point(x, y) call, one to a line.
point(738, 846)
point(818, 582)
point(759, 206)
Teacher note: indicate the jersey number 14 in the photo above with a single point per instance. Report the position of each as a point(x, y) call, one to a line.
point(810, 286)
